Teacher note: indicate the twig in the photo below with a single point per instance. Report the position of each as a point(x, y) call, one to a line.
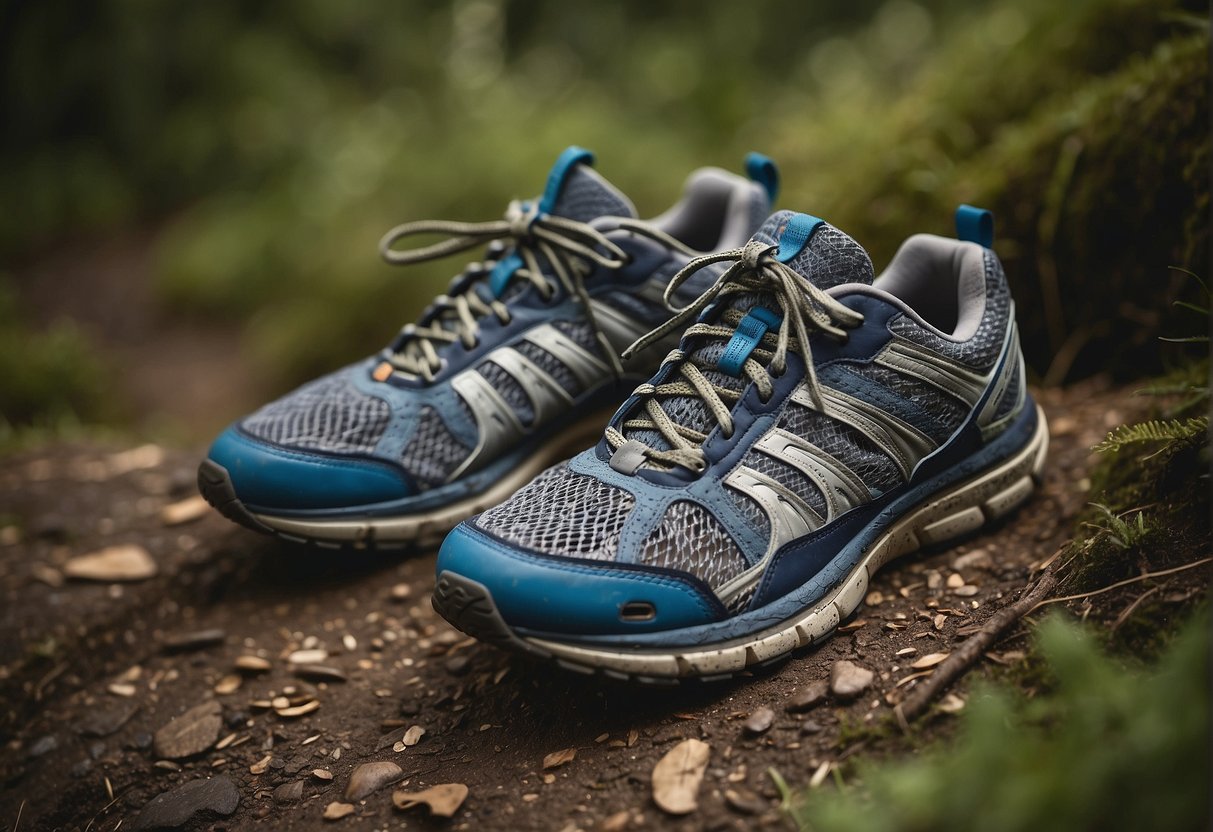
point(1143, 577)
point(1127, 611)
point(972, 649)
point(17, 822)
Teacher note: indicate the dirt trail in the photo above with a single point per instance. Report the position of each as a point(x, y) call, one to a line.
point(89, 673)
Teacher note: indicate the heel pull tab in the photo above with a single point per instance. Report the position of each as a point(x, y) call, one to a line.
point(975, 225)
point(763, 170)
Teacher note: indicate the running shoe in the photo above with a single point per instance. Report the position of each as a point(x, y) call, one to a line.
point(813, 424)
point(508, 372)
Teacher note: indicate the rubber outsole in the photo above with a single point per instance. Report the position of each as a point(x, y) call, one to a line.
point(958, 511)
point(422, 529)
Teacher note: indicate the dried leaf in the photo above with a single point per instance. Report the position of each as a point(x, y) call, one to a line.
point(929, 660)
point(444, 800)
point(678, 775)
point(559, 758)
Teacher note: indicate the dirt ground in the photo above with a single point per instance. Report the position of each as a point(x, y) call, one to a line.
point(92, 671)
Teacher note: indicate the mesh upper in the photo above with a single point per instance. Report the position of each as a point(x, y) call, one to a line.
point(585, 197)
point(433, 452)
point(551, 365)
point(691, 540)
point(790, 478)
point(752, 511)
point(562, 513)
point(831, 257)
point(845, 443)
point(1010, 396)
point(510, 390)
point(582, 334)
point(945, 410)
point(328, 414)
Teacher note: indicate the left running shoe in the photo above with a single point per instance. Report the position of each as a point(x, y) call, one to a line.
point(512, 370)
point(812, 426)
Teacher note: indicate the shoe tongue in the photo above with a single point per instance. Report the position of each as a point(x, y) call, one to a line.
point(814, 248)
point(577, 192)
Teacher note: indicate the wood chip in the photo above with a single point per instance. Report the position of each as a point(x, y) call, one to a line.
point(820, 774)
point(857, 624)
point(874, 598)
point(966, 591)
point(559, 758)
point(616, 822)
point(228, 685)
point(320, 673)
point(252, 664)
point(184, 511)
point(907, 651)
point(443, 800)
point(633, 735)
point(314, 656)
point(951, 704)
point(122, 689)
point(322, 774)
point(337, 810)
point(929, 660)
point(261, 765)
point(126, 562)
point(678, 775)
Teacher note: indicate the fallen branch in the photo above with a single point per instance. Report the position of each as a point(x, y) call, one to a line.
point(972, 649)
point(1145, 576)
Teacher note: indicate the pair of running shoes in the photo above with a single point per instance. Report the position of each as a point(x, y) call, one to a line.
point(790, 422)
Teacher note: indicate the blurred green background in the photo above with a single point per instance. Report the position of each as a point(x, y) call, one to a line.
point(192, 193)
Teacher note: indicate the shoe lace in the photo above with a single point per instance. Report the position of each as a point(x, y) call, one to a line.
point(754, 269)
point(570, 248)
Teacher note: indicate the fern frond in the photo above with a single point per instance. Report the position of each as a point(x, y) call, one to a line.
point(1170, 432)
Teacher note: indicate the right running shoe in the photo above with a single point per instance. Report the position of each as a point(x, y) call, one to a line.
point(813, 425)
point(508, 372)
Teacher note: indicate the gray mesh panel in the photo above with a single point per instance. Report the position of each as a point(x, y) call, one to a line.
point(689, 539)
point(582, 334)
point(742, 599)
point(751, 511)
point(846, 444)
point(562, 513)
point(789, 478)
point(1010, 396)
point(510, 390)
point(584, 198)
point(328, 414)
point(551, 365)
point(944, 409)
point(982, 350)
point(830, 258)
point(433, 452)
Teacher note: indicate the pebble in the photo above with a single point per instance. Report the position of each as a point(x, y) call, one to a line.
point(252, 664)
point(228, 685)
point(178, 806)
point(336, 810)
point(744, 801)
point(810, 726)
point(977, 559)
point(413, 736)
point(289, 792)
point(313, 656)
point(457, 665)
point(760, 721)
point(401, 592)
point(126, 562)
point(320, 673)
point(966, 591)
point(191, 733)
point(616, 822)
point(322, 774)
point(955, 580)
point(184, 511)
point(808, 697)
point(106, 719)
point(181, 642)
point(43, 745)
point(370, 777)
point(848, 680)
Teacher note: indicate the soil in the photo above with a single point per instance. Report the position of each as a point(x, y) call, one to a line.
point(77, 657)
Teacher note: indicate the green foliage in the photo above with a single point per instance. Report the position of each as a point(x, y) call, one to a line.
point(1122, 533)
point(1110, 747)
point(1168, 432)
point(51, 377)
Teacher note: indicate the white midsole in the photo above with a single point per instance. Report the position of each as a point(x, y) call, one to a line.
point(429, 527)
point(960, 510)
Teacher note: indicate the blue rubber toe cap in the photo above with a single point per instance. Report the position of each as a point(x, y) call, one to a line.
point(273, 478)
point(560, 596)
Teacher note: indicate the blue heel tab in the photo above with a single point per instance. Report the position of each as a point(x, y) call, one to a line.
point(796, 235)
point(763, 170)
point(570, 158)
point(975, 225)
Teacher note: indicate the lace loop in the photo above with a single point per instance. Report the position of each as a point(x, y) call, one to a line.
point(753, 269)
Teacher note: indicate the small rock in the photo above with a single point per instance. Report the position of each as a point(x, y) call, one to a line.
point(262, 765)
point(616, 822)
point(934, 579)
point(401, 592)
point(184, 511)
point(228, 685)
point(320, 673)
point(760, 721)
point(313, 656)
point(810, 727)
point(457, 665)
point(322, 774)
point(955, 580)
point(81, 769)
point(743, 800)
point(966, 591)
point(127, 562)
point(176, 807)
point(181, 642)
point(808, 697)
point(848, 680)
point(191, 733)
point(413, 736)
point(289, 792)
point(977, 559)
point(43, 745)
point(107, 718)
point(122, 689)
point(370, 777)
point(336, 810)
point(252, 664)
